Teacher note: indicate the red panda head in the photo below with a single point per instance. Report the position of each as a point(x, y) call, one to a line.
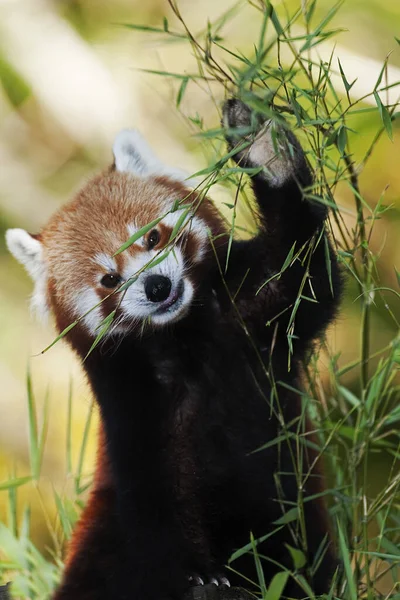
point(75, 262)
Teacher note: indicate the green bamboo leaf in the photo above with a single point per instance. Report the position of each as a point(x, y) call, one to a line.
point(179, 224)
point(342, 139)
point(158, 259)
point(128, 283)
point(329, 16)
point(346, 560)
point(259, 569)
point(385, 116)
point(347, 85)
point(138, 234)
point(297, 109)
point(248, 547)
point(181, 91)
point(288, 258)
point(82, 451)
point(290, 515)
point(25, 527)
point(138, 27)
point(148, 29)
point(328, 263)
point(277, 586)
point(274, 19)
point(171, 74)
point(33, 428)
point(14, 483)
point(310, 11)
point(397, 276)
point(43, 434)
point(62, 515)
point(103, 328)
point(349, 396)
point(69, 429)
point(315, 40)
point(298, 557)
point(380, 76)
point(59, 337)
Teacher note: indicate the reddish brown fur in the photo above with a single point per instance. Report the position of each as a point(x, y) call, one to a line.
point(96, 221)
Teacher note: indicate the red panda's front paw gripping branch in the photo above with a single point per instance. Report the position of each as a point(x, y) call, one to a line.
point(191, 375)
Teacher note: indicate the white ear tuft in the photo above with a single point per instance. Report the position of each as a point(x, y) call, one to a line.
point(29, 252)
point(26, 249)
point(132, 154)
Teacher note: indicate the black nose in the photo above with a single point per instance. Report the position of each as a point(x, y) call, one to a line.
point(157, 288)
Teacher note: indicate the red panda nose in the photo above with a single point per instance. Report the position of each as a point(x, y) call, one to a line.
point(157, 288)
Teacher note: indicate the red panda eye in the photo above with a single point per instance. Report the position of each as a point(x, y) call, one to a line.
point(153, 239)
point(111, 280)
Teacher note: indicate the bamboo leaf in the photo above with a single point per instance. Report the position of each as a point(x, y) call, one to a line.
point(179, 224)
point(288, 517)
point(69, 429)
point(103, 328)
point(397, 276)
point(277, 586)
point(181, 91)
point(349, 396)
point(274, 18)
point(346, 559)
point(310, 11)
point(138, 234)
point(33, 428)
point(298, 557)
point(342, 139)
point(346, 84)
point(158, 259)
point(82, 451)
point(60, 336)
point(259, 569)
point(328, 263)
point(248, 547)
point(385, 116)
point(14, 483)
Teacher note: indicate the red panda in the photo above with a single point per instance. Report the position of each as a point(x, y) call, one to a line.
point(192, 376)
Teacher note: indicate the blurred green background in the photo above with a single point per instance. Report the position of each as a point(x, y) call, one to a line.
point(69, 80)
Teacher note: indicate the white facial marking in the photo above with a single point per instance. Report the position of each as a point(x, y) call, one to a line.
point(136, 305)
point(132, 154)
point(29, 252)
point(132, 229)
point(192, 224)
point(200, 231)
point(107, 262)
point(84, 302)
point(172, 218)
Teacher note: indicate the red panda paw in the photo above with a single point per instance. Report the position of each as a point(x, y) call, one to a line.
point(216, 578)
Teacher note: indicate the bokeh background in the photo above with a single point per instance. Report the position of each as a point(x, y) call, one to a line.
point(71, 77)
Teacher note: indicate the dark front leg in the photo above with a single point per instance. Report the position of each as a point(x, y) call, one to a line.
point(155, 555)
point(291, 259)
point(92, 570)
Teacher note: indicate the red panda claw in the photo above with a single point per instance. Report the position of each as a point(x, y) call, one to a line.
point(196, 579)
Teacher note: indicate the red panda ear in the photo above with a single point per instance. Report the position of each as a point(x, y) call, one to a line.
point(28, 250)
point(132, 154)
